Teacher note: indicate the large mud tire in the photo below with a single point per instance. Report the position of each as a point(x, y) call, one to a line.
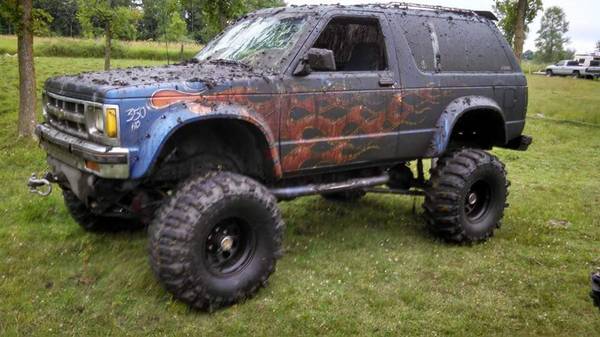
point(467, 195)
point(96, 223)
point(186, 240)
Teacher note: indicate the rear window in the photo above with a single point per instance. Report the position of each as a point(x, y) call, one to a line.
point(464, 45)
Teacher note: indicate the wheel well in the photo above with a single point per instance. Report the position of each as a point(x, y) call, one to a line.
point(239, 140)
point(480, 128)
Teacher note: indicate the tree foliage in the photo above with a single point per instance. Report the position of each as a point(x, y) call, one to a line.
point(219, 13)
point(135, 19)
point(120, 16)
point(506, 10)
point(64, 22)
point(11, 11)
point(552, 38)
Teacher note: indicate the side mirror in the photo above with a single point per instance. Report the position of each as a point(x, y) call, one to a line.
point(316, 59)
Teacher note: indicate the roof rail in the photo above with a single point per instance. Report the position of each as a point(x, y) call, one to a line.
point(407, 5)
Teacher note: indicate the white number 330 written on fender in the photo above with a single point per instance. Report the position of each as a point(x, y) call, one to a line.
point(135, 117)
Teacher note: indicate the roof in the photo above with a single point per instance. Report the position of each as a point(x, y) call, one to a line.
point(404, 6)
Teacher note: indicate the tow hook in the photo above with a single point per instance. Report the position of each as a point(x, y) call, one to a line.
point(41, 186)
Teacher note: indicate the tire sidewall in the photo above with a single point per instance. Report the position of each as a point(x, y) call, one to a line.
point(263, 250)
point(488, 221)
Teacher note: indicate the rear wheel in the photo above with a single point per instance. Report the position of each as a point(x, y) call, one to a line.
point(96, 223)
point(217, 240)
point(576, 74)
point(467, 196)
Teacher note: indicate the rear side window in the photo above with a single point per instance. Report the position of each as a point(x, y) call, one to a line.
point(470, 46)
point(464, 45)
point(418, 34)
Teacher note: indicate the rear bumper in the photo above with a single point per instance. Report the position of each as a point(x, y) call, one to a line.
point(103, 161)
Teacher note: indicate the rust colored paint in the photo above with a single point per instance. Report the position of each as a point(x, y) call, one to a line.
point(235, 103)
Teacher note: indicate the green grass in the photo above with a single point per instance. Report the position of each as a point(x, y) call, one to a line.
point(367, 269)
point(94, 48)
point(565, 99)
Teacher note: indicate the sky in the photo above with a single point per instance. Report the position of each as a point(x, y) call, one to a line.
point(584, 23)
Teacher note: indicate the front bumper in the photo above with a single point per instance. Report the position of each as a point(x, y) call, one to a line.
point(102, 161)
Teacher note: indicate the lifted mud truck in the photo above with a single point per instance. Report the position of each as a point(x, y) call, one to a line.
point(288, 102)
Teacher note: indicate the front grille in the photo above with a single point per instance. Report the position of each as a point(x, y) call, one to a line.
point(67, 114)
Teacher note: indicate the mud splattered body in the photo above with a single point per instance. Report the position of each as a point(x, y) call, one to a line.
point(325, 119)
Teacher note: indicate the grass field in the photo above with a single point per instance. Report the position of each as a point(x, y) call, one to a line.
point(94, 48)
point(366, 269)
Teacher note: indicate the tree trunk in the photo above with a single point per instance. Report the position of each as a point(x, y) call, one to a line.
point(520, 29)
point(181, 52)
point(27, 97)
point(107, 46)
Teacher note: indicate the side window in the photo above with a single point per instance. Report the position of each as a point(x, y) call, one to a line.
point(357, 44)
point(470, 45)
point(418, 35)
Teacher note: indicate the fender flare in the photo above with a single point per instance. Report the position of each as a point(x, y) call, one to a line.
point(172, 121)
point(452, 113)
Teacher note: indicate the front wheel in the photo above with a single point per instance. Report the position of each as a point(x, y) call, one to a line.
point(549, 73)
point(216, 241)
point(466, 198)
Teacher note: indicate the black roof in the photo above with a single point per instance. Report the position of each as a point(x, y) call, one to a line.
point(391, 6)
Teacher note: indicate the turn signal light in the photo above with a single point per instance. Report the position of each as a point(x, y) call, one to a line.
point(110, 124)
point(92, 166)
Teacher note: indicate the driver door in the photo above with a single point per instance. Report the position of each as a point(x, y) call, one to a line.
point(345, 116)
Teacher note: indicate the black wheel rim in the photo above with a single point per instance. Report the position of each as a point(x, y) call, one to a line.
point(229, 246)
point(477, 201)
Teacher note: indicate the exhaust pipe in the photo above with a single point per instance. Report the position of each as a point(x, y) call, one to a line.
point(287, 193)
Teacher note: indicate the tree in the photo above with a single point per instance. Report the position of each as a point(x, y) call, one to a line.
point(173, 27)
point(219, 13)
point(113, 18)
point(551, 38)
point(520, 28)
point(511, 19)
point(22, 15)
point(64, 22)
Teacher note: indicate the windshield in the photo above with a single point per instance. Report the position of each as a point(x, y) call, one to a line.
point(259, 41)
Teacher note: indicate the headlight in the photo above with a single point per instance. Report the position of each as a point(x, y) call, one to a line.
point(98, 119)
point(103, 120)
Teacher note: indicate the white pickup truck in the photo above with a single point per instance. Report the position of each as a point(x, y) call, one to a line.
point(592, 69)
point(588, 67)
point(566, 68)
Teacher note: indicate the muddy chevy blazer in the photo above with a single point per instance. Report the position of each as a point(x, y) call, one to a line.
point(318, 100)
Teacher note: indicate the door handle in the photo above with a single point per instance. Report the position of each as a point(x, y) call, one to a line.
point(386, 81)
